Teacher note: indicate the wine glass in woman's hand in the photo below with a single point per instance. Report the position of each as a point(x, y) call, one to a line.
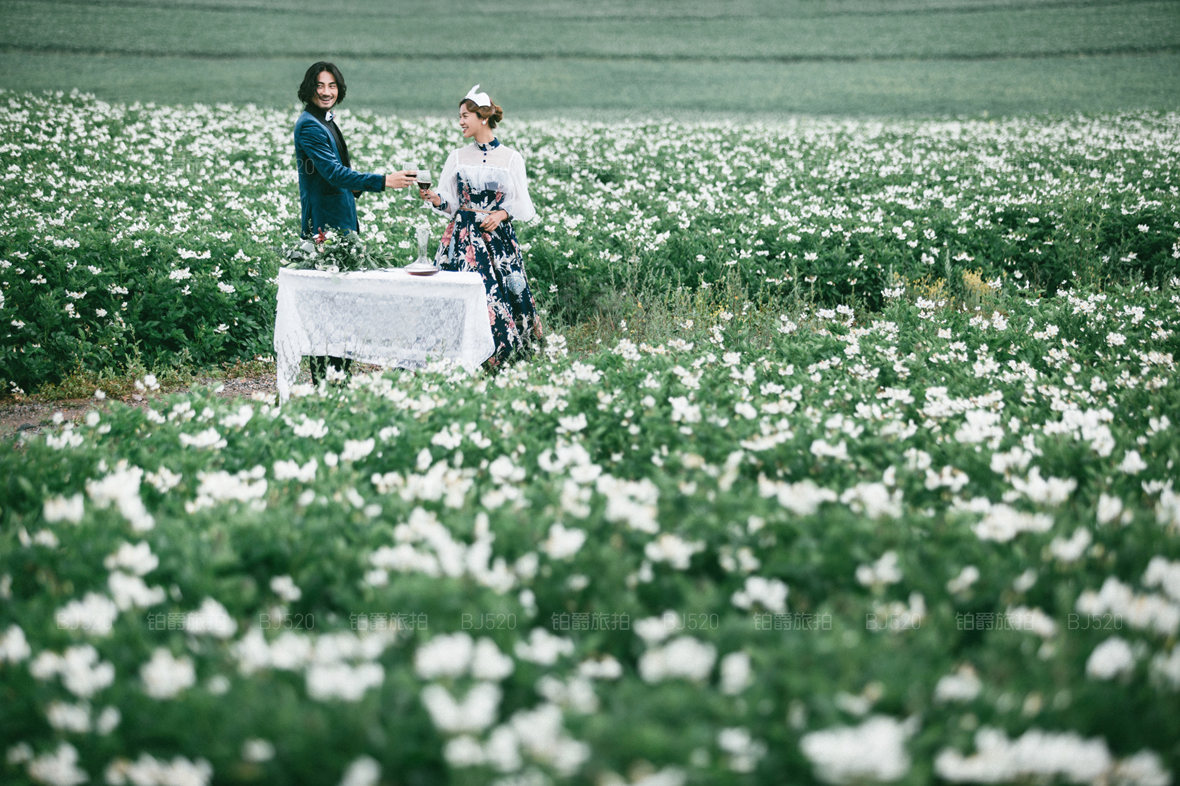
point(424, 180)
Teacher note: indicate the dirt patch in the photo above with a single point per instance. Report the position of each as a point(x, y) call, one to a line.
point(31, 417)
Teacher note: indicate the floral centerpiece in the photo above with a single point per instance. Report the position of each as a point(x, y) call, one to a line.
point(335, 253)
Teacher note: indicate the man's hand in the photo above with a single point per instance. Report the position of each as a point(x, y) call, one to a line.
point(400, 179)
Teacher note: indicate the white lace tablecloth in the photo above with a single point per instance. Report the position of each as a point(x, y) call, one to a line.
point(386, 317)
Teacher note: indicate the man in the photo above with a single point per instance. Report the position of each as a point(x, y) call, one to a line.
point(328, 186)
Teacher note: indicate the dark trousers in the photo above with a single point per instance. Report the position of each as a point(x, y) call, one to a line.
point(319, 366)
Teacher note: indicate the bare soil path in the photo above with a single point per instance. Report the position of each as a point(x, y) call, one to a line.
point(31, 416)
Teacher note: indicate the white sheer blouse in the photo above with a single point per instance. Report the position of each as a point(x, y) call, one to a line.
point(500, 169)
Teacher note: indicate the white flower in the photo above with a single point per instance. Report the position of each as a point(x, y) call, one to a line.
point(541, 733)
point(572, 425)
point(341, 681)
point(563, 543)
point(357, 449)
point(1071, 550)
point(873, 751)
point(165, 676)
point(209, 438)
point(285, 588)
point(1110, 659)
point(883, 571)
point(821, 449)
point(543, 647)
point(14, 647)
point(211, 619)
point(1044, 491)
point(873, 500)
point(502, 750)
point(315, 429)
point(683, 411)
point(1031, 620)
point(771, 594)
point(59, 768)
point(1132, 463)
point(79, 667)
point(1166, 668)
point(94, 614)
point(121, 488)
point(136, 559)
point(220, 486)
point(63, 509)
point(743, 750)
point(961, 583)
point(363, 771)
point(633, 502)
point(606, 668)
point(488, 663)
point(683, 657)
point(1003, 523)
point(474, 713)
point(735, 673)
point(444, 656)
point(1109, 508)
point(1142, 769)
point(256, 751)
point(163, 480)
point(963, 685)
point(68, 717)
point(131, 592)
point(107, 720)
point(150, 771)
point(672, 549)
point(290, 470)
point(1036, 756)
point(504, 470)
point(464, 751)
point(238, 419)
point(1146, 611)
point(1164, 574)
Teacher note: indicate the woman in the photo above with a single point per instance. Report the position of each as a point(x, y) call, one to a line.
point(484, 190)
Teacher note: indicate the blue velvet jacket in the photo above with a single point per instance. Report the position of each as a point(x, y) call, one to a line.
point(325, 184)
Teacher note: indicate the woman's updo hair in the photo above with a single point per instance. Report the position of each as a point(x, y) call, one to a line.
point(493, 114)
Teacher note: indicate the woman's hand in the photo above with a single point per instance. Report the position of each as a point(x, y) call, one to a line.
point(494, 220)
point(430, 196)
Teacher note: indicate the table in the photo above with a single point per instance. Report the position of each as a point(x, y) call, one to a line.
point(385, 317)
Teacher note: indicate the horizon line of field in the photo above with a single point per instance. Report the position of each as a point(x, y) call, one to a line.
point(1116, 51)
point(1018, 5)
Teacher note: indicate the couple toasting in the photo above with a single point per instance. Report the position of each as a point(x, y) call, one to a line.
point(482, 190)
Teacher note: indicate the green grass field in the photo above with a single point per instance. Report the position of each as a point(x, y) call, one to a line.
point(855, 57)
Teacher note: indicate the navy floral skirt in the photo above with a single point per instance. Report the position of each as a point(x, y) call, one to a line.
point(496, 256)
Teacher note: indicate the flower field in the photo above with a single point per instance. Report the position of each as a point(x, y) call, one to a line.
point(147, 236)
point(875, 483)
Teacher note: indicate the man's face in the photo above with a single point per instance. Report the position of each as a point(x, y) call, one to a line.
point(325, 90)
